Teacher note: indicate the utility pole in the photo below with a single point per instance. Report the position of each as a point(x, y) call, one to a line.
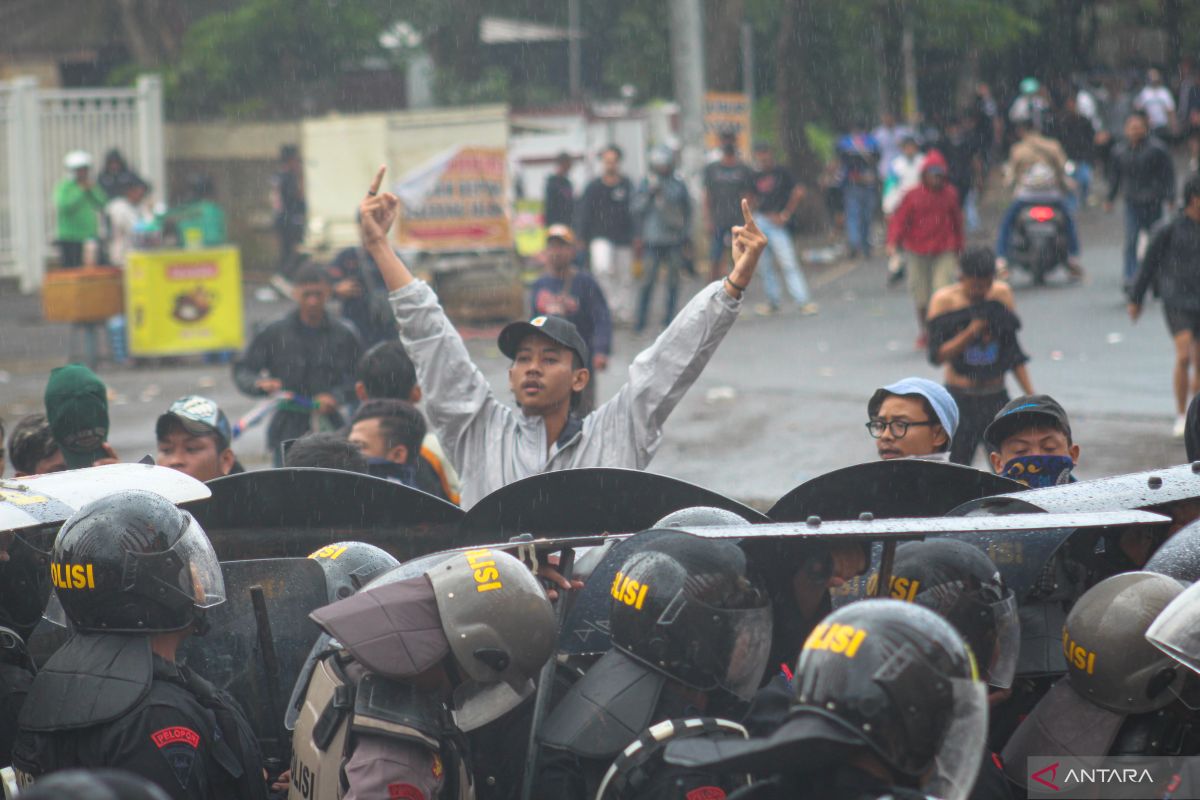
point(687, 66)
point(574, 55)
point(910, 70)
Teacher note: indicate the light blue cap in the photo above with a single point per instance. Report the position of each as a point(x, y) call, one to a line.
point(943, 404)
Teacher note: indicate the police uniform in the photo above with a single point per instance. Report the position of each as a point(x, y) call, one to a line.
point(175, 728)
point(714, 645)
point(124, 568)
point(15, 681)
point(365, 730)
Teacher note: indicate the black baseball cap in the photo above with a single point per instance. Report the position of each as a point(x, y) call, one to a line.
point(1023, 412)
point(555, 328)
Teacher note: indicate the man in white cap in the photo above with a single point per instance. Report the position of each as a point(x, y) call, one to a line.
point(77, 204)
point(912, 418)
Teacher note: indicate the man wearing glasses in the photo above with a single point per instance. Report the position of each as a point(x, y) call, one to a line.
point(912, 418)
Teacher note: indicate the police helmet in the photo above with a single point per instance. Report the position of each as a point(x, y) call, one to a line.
point(93, 784)
point(1109, 661)
point(687, 608)
point(1179, 556)
point(132, 562)
point(349, 566)
point(1176, 631)
point(24, 578)
point(961, 584)
point(884, 676)
point(699, 516)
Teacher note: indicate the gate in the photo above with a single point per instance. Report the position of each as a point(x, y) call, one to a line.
point(40, 126)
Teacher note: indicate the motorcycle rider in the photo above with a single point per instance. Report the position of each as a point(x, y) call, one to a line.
point(416, 663)
point(134, 575)
point(1039, 187)
point(887, 703)
point(691, 632)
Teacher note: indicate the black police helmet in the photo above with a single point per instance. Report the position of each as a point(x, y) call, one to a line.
point(686, 608)
point(93, 784)
point(959, 582)
point(349, 566)
point(132, 562)
point(894, 675)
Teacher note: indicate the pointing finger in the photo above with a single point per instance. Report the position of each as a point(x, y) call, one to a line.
point(375, 184)
point(746, 215)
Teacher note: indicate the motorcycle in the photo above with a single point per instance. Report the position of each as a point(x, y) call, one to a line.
point(1039, 240)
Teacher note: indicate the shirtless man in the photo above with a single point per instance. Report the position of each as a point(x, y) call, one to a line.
point(973, 333)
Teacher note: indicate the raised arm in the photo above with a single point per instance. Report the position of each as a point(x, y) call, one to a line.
point(378, 213)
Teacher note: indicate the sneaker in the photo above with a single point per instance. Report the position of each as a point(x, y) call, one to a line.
point(809, 309)
point(1179, 427)
point(766, 309)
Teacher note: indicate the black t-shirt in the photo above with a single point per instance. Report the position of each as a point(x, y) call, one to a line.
point(985, 358)
point(559, 208)
point(726, 185)
point(773, 188)
point(604, 212)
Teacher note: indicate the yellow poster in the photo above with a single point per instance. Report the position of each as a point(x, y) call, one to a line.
point(727, 111)
point(184, 301)
point(457, 201)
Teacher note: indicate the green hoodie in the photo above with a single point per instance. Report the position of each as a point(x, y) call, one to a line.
point(77, 209)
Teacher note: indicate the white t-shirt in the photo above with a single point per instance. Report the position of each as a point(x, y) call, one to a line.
point(1157, 102)
point(123, 217)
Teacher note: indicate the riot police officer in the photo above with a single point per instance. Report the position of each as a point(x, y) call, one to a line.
point(134, 575)
point(887, 703)
point(415, 663)
point(16, 678)
point(691, 632)
point(349, 566)
point(1121, 694)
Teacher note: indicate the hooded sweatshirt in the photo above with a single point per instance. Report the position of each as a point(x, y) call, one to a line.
point(928, 222)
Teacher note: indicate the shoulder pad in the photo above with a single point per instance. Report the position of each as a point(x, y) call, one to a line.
point(91, 680)
point(398, 710)
point(606, 710)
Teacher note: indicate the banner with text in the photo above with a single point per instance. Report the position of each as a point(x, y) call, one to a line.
point(456, 201)
point(727, 111)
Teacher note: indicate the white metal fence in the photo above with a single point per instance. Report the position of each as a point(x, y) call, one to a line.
point(37, 128)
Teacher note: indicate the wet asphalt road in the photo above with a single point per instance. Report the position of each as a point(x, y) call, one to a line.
point(785, 396)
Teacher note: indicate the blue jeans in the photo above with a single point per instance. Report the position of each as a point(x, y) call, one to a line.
point(1004, 234)
point(859, 203)
point(1138, 217)
point(1083, 177)
point(659, 255)
point(781, 251)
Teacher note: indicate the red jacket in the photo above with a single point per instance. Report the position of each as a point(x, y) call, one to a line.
point(928, 222)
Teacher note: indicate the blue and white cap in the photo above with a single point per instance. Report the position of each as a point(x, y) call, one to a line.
point(943, 404)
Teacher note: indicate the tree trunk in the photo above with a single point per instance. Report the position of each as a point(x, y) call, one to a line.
point(723, 51)
point(1172, 16)
point(793, 96)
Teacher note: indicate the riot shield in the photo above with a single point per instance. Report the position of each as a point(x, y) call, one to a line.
point(258, 640)
point(587, 501)
point(895, 488)
point(49, 499)
point(1179, 556)
point(1153, 489)
point(290, 512)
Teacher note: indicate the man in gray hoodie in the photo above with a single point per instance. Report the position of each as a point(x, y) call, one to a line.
point(493, 444)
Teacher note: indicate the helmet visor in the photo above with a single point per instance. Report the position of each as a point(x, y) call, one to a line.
point(956, 764)
point(1176, 631)
point(199, 572)
point(1007, 648)
point(751, 647)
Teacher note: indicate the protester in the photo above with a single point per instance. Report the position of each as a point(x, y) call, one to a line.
point(559, 195)
point(326, 451)
point(604, 223)
point(860, 157)
point(662, 217)
point(988, 124)
point(114, 173)
point(77, 206)
point(1172, 266)
point(32, 449)
point(776, 197)
point(1030, 441)
point(928, 227)
point(1031, 148)
point(1156, 102)
point(1188, 111)
point(973, 333)
point(573, 294)
point(1039, 187)
point(114, 695)
point(308, 354)
point(1142, 168)
point(495, 446)
point(363, 299)
point(1030, 107)
point(385, 372)
point(727, 181)
point(1078, 138)
point(389, 434)
point(964, 165)
point(912, 418)
point(290, 206)
point(903, 173)
point(77, 409)
point(890, 136)
point(194, 437)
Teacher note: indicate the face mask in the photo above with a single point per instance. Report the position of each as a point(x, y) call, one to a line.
point(1039, 471)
